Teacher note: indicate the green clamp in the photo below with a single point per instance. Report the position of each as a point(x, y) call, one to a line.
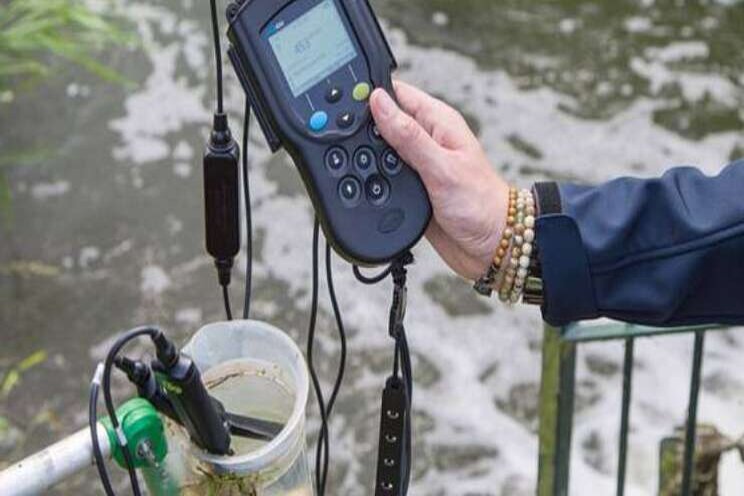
point(143, 430)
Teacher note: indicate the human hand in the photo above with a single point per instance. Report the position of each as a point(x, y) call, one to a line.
point(470, 200)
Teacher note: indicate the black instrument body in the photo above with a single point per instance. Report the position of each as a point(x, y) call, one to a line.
point(308, 67)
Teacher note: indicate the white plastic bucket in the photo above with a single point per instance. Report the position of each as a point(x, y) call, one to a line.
point(279, 466)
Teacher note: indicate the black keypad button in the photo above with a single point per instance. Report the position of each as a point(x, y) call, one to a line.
point(391, 162)
point(334, 94)
point(345, 120)
point(350, 191)
point(364, 158)
point(378, 189)
point(336, 159)
point(374, 133)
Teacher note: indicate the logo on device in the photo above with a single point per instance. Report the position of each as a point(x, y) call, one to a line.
point(274, 28)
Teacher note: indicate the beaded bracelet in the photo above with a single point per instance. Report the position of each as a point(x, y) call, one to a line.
point(524, 241)
point(510, 268)
point(489, 282)
point(512, 282)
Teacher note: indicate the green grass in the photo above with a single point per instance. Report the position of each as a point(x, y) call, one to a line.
point(33, 33)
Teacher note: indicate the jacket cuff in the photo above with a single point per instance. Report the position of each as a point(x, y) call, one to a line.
point(567, 282)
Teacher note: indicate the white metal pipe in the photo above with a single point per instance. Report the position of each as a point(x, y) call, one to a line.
point(40, 472)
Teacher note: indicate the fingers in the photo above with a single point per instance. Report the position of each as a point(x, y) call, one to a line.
point(445, 124)
point(420, 105)
point(412, 142)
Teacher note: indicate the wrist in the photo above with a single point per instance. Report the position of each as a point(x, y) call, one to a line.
point(497, 214)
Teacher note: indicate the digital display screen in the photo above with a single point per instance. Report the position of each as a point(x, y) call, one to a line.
point(312, 47)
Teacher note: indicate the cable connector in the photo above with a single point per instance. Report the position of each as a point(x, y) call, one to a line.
point(222, 197)
point(221, 136)
point(136, 371)
point(165, 350)
point(224, 270)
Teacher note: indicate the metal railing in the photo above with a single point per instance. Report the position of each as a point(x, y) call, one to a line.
point(557, 399)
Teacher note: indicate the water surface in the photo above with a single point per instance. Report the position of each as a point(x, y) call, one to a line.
point(106, 229)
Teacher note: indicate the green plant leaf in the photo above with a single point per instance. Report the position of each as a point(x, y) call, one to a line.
point(32, 360)
point(13, 376)
point(24, 67)
point(30, 30)
point(11, 379)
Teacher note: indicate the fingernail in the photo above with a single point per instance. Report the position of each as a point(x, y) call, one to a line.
point(385, 104)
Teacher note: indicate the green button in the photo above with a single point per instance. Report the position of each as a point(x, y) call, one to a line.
point(361, 92)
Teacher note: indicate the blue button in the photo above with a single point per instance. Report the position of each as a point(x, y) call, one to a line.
point(318, 121)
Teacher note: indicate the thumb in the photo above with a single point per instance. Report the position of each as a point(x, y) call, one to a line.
point(401, 131)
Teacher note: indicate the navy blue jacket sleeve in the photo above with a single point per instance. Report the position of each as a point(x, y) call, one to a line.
point(664, 252)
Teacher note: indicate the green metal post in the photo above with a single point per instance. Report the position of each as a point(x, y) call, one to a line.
point(556, 413)
point(688, 473)
point(625, 415)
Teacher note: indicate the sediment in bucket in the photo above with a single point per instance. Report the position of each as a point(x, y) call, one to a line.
point(255, 370)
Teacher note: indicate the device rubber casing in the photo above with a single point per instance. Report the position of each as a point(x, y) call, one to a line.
point(365, 233)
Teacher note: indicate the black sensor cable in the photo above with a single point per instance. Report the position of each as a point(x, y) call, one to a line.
point(322, 453)
point(248, 214)
point(325, 456)
point(217, 54)
point(95, 387)
point(102, 380)
point(221, 183)
point(122, 341)
point(219, 110)
point(323, 433)
point(402, 371)
point(226, 301)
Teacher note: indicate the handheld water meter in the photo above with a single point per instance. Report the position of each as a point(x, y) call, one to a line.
point(308, 68)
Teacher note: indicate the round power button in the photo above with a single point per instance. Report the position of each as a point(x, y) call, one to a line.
point(378, 189)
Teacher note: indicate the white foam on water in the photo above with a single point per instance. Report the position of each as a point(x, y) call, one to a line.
point(88, 255)
point(183, 151)
point(191, 316)
point(166, 103)
point(44, 191)
point(154, 280)
point(680, 50)
point(638, 24)
point(694, 85)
